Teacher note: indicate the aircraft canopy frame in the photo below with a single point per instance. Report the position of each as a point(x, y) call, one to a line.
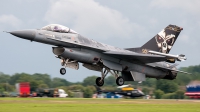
point(58, 28)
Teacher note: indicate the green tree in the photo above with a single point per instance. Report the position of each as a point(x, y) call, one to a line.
point(34, 85)
point(43, 86)
point(183, 79)
point(169, 96)
point(175, 95)
point(89, 80)
point(1, 89)
point(20, 77)
point(92, 88)
point(110, 81)
point(4, 78)
point(70, 93)
point(24, 77)
point(87, 92)
point(179, 94)
point(145, 90)
point(14, 78)
point(167, 86)
point(158, 94)
point(45, 78)
point(7, 87)
point(150, 82)
point(56, 82)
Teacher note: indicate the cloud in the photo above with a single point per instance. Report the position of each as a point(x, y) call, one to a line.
point(184, 13)
point(186, 5)
point(10, 20)
point(91, 19)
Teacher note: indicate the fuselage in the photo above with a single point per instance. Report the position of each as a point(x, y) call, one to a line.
point(135, 64)
point(77, 42)
point(88, 51)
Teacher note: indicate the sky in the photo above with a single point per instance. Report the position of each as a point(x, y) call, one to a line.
point(120, 23)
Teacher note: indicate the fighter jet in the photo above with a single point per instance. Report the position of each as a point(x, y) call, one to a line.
point(151, 60)
point(126, 93)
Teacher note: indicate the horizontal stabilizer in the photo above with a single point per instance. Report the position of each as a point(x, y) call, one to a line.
point(144, 58)
point(172, 70)
point(174, 65)
point(182, 72)
point(132, 56)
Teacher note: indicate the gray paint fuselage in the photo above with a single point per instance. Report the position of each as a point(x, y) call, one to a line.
point(74, 41)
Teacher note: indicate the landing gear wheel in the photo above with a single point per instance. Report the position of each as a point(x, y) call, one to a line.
point(99, 82)
point(119, 81)
point(62, 71)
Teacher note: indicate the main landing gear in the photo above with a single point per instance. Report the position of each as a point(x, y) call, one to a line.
point(120, 81)
point(104, 72)
point(99, 81)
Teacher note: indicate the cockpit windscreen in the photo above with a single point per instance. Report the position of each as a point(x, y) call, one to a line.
point(58, 28)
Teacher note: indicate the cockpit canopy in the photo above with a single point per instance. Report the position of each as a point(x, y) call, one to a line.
point(58, 28)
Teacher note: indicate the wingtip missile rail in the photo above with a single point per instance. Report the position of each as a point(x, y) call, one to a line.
point(180, 57)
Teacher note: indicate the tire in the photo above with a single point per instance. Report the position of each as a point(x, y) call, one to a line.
point(120, 81)
point(62, 71)
point(98, 82)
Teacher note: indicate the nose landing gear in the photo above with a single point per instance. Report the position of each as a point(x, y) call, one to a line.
point(63, 63)
point(62, 71)
point(68, 63)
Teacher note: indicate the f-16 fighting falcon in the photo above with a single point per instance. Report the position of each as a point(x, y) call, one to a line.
point(135, 64)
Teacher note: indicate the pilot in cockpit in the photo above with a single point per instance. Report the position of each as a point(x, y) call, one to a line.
point(58, 28)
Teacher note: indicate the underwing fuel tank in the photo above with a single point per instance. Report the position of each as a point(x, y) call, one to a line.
point(75, 54)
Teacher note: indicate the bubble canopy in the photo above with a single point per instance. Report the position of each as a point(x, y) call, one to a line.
point(58, 28)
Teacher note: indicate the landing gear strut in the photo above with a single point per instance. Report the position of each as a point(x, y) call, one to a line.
point(68, 63)
point(104, 72)
point(63, 63)
point(100, 80)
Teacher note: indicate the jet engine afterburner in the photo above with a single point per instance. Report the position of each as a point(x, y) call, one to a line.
point(170, 75)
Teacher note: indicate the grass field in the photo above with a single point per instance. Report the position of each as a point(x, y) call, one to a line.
point(96, 105)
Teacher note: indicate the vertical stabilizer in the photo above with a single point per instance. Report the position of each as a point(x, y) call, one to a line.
point(164, 40)
point(161, 42)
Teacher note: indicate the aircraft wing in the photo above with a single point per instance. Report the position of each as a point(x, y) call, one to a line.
point(136, 57)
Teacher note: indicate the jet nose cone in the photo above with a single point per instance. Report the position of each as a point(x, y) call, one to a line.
point(25, 34)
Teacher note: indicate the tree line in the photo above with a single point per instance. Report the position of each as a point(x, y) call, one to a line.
point(161, 88)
